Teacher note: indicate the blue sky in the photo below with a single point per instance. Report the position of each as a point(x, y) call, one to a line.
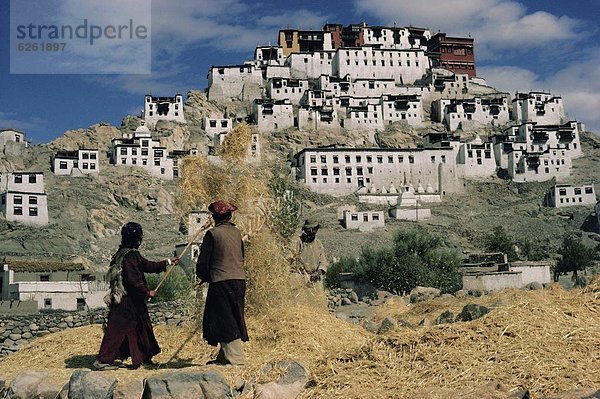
point(519, 45)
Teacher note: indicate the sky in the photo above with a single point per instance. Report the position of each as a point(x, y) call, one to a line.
point(520, 45)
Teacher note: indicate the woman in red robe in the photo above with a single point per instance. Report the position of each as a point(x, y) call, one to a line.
point(129, 329)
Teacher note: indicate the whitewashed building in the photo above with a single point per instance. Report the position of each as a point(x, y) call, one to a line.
point(396, 37)
point(81, 162)
point(531, 152)
point(363, 220)
point(52, 284)
point(404, 66)
point(409, 207)
point(343, 171)
point(269, 55)
point(318, 118)
point(311, 65)
point(23, 197)
point(478, 159)
point(562, 195)
point(234, 81)
point(10, 137)
point(366, 117)
point(541, 107)
point(163, 109)
point(214, 126)
point(273, 115)
point(402, 108)
point(141, 150)
point(290, 89)
point(470, 113)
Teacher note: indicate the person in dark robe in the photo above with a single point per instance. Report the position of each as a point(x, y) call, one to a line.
point(129, 329)
point(221, 264)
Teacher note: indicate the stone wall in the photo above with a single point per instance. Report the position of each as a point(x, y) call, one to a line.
point(16, 331)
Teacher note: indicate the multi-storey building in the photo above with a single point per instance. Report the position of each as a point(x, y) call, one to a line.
point(163, 109)
point(562, 195)
point(540, 107)
point(469, 113)
point(477, 159)
point(273, 115)
point(453, 53)
point(343, 171)
point(214, 126)
point(139, 149)
point(304, 41)
point(283, 88)
point(11, 137)
point(23, 197)
point(402, 108)
point(80, 162)
point(269, 55)
point(233, 81)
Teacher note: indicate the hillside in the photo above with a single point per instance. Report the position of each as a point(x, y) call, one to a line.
point(86, 213)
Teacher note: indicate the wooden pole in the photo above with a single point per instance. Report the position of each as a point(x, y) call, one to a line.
point(200, 230)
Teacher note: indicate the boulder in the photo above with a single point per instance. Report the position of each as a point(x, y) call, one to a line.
point(387, 324)
point(419, 294)
point(33, 384)
point(85, 384)
point(187, 385)
point(534, 286)
point(371, 326)
point(472, 311)
point(294, 377)
point(133, 389)
point(444, 318)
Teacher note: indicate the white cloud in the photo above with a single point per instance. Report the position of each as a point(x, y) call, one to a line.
point(495, 24)
point(578, 84)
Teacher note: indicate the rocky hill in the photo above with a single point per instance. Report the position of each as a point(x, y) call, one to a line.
point(87, 212)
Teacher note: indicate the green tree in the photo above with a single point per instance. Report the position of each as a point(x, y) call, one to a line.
point(500, 241)
point(574, 256)
point(344, 265)
point(416, 258)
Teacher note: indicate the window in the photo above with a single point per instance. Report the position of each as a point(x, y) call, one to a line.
point(32, 179)
point(348, 171)
point(134, 151)
point(379, 159)
point(85, 165)
point(369, 159)
point(433, 159)
point(158, 153)
point(323, 159)
point(443, 159)
point(577, 190)
point(323, 171)
point(62, 165)
point(17, 199)
point(33, 200)
point(359, 171)
point(411, 159)
point(80, 303)
point(18, 211)
point(93, 155)
point(354, 217)
point(347, 158)
point(33, 211)
point(144, 151)
point(375, 216)
point(313, 171)
point(313, 159)
point(390, 159)
point(589, 190)
point(336, 159)
point(123, 151)
point(365, 217)
point(157, 162)
point(19, 179)
point(44, 277)
point(47, 303)
point(562, 191)
point(85, 155)
point(145, 143)
point(123, 161)
point(92, 166)
point(212, 123)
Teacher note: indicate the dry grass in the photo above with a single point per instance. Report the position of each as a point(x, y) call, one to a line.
point(545, 341)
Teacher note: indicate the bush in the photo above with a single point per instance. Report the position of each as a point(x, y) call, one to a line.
point(416, 258)
point(176, 286)
point(344, 265)
point(285, 211)
point(499, 241)
point(574, 256)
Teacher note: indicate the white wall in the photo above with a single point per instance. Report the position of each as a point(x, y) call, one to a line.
point(163, 108)
point(63, 294)
point(364, 220)
point(492, 281)
point(28, 208)
point(563, 195)
point(530, 273)
point(540, 107)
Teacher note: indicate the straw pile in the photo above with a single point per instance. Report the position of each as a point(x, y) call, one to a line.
point(546, 341)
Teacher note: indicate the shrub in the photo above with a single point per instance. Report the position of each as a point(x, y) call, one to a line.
point(499, 241)
point(176, 286)
point(344, 265)
point(416, 258)
point(285, 211)
point(574, 256)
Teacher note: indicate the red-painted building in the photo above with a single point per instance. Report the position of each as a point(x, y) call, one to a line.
point(345, 36)
point(453, 53)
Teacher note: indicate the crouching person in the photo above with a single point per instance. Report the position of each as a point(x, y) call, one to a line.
point(221, 264)
point(129, 329)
